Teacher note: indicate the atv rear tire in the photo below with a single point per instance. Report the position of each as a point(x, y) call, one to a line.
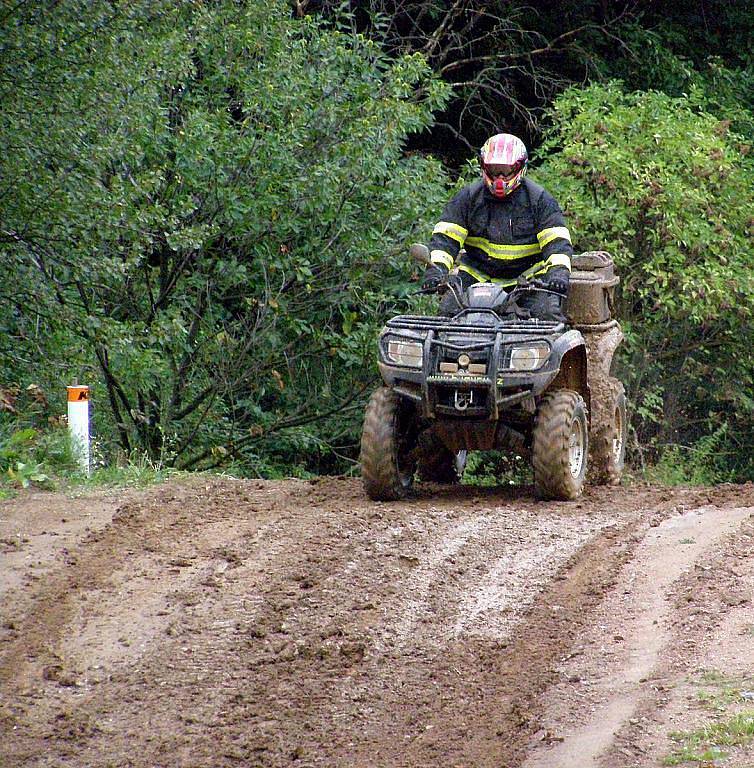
point(387, 442)
point(438, 464)
point(608, 453)
point(560, 446)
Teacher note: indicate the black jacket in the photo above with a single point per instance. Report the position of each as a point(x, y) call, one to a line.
point(523, 233)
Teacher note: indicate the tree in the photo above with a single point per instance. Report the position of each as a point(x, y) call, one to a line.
point(667, 188)
point(505, 61)
point(208, 203)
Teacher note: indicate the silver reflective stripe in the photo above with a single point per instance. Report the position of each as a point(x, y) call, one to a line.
point(454, 231)
point(559, 260)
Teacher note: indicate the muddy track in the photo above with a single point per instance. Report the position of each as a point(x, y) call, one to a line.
point(230, 623)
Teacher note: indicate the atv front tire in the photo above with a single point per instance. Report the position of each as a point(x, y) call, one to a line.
point(560, 446)
point(609, 445)
point(387, 442)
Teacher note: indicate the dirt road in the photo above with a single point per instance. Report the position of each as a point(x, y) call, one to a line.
point(242, 623)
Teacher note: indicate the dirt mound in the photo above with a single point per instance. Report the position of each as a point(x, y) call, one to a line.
point(228, 623)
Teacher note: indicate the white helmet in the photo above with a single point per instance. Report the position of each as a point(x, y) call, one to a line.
point(503, 159)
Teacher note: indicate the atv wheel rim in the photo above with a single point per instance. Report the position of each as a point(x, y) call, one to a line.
point(618, 436)
point(576, 448)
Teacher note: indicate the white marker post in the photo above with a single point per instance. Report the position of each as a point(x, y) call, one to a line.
point(78, 423)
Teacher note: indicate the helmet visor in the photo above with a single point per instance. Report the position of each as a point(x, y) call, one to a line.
point(493, 170)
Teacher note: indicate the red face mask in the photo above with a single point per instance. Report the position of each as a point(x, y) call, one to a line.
point(503, 160)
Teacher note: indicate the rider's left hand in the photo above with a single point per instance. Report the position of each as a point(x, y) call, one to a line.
point(556, 280)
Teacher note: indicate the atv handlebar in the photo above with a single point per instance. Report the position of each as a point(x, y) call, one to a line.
point(523, 286)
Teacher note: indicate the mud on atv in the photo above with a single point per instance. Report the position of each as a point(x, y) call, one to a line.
point(488, 378)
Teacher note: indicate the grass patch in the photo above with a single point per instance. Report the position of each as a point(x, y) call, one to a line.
point(137, 472)
point(7, 493)
point(708, 743)
point(33, 458)
point(719, 694)
point(725, 690)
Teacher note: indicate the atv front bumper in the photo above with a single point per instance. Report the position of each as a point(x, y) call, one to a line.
point(459, 393)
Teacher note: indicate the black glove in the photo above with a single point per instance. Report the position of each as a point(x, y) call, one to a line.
point(434, 275)
point(556, 280)
point(455, 283)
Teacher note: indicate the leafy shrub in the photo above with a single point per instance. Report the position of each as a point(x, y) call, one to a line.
point(29, 456)
point(490, 468)
point(704, 463)
point(667, 188)
point(210, 211)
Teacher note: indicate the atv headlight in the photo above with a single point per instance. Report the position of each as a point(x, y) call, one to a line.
point(529, 358)
point(408, 353)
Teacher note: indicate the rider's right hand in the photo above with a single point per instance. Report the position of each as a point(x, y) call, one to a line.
point(434, 276)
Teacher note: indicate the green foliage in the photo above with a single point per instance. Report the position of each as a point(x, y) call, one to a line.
point(720, 692)
point(209, 213)
point(667, 188)
point(493, 468)
point(24, 474)
point(137, 471)
point(31, 457)
point(204, 208)
point(705, 744)
point(704, 463)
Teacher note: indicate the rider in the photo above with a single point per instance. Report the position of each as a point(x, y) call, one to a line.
point(508, 227)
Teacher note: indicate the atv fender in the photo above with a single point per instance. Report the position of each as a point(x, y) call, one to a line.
point(568, 360)
point(602, 342)
point(565, 343)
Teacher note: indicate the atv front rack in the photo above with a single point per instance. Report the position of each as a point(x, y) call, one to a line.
point(452, 325)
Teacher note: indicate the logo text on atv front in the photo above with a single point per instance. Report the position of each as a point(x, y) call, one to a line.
point(459, 378)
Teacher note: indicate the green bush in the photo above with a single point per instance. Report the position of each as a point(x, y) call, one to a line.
point(491, 468)
point(31, 457)
point(210, 208)
point(704, 463)
point(668, 189)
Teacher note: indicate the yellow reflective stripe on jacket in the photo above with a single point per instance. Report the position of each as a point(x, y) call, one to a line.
point(482, 278)
point(552, 233)
point(559, 260)
point(498, 251)
point(556, 260)
point(536, 269)
point(456, 231)
point(441, 257)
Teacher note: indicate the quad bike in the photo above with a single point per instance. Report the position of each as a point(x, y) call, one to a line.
point(484, 378)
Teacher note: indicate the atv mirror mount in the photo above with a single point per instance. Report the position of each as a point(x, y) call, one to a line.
point(419, 252)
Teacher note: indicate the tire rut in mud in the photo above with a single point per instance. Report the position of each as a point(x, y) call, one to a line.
point(506, 680)
point(272, 622)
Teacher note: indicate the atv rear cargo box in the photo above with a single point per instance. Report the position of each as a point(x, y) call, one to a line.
point(593, 281)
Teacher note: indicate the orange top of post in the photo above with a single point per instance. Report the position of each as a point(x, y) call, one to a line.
point(78, 394)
